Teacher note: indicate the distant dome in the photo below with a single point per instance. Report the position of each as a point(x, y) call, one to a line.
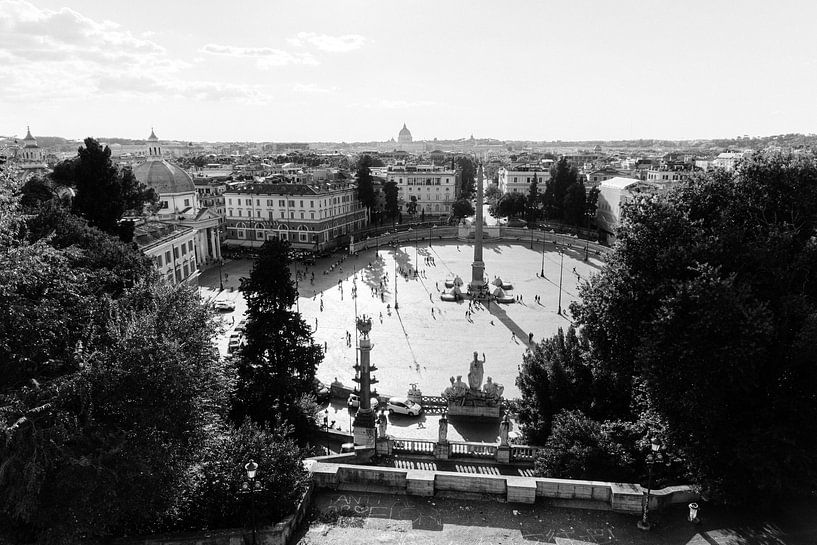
point(404, 135)
point(164, 177)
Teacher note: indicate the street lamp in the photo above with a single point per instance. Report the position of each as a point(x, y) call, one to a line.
point(561, 272)
point(543, 255)
point(250, 487)
point(395, 285)
point(652, 457)
point(220, 264)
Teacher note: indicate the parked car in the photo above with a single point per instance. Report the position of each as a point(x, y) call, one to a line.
point(401, 405)
point(320, 390)
point(224, 305)
point(354, 401)
point(234, 343)
point(241, 325)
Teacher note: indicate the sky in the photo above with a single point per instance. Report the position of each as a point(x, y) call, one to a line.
point(356, 70)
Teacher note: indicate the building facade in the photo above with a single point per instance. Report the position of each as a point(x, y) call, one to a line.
point(31, 157)
point(310, 216)
point(434, 188)
point(172, 248)
point(518, 179)
point(613, 194)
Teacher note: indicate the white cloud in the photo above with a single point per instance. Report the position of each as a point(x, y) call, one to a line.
point(266, 56)
point(325, 42)
point(63, 55)
point(386, 104)
point(313, 89)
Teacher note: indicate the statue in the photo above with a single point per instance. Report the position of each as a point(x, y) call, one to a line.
point(460, 388)
point(504, 429)
point(493, 390)
point(382, 422)
point(476, 372)
point(443, 437)
point(449, 392)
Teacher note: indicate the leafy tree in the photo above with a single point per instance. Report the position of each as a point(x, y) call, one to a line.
point(510, 205)
point(562, 176)
point(468, 172)
point(574, 206)
point(365, 183)
point(104, 193)
point(591, 204)
point(709, 299)
point(411, 207)
point(582, 448)
point(35, 192)
point(392, 206)
point(277, 365)
point(462, 208)
point(493, 193)
point(554, 376)
point(533, 201)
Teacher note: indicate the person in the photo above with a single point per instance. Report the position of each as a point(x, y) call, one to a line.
point(325, 347)
point(530, 338)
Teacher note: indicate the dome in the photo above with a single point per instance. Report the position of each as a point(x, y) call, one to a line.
point(404, 135)
point(164, 177)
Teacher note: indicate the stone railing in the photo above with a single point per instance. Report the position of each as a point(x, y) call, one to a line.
point(412, 446)
point(619, 497)
point(523, 453)
point(472, 450)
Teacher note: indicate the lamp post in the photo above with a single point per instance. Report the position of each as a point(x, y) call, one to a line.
point(561, 273)
point(586, 253)
point(220, 265)
point(395, 286)
point(543, 255)
point(652, 457)
point(297, 297)
point(250, 487)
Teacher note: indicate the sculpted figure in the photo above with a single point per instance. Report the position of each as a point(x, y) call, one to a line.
point(443, 431)
point(449, 392)
point(476, 372)
point(460, 387)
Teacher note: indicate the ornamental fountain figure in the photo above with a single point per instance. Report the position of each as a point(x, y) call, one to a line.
point(474, 399)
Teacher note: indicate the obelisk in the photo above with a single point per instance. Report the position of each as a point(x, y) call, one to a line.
point(477, 286)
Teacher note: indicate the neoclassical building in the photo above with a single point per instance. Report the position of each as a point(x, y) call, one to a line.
point(178, 203)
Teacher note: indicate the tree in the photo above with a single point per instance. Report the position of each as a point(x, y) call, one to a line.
point(411, 207)
point(103, 194)
point(532, 202)
point(554, 376)
point(562, 176)
point(510, 205)
point(462, 208)
point(574, 206)
point(591, 204)
point(708, 300)
point(392, 206)
point(276, 367)
point(365, 183)
point(493, 193)
point(468, 172)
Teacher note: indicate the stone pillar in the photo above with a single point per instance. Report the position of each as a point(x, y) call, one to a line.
point(503, 452)
point(476, 287)
point(442, 448)
point(364, 423)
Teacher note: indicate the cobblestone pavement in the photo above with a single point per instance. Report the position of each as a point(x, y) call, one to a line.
point(357, 518)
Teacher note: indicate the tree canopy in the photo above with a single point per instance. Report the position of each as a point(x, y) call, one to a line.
point(392, 206)
point(365, 182)
point(468, 172)
point(709, 304)
point(462, 208)
point(276, 367)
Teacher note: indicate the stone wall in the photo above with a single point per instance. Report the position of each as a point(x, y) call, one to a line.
point(619, 497)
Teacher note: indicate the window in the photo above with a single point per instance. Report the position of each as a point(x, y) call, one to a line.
point(248, 202)
point(292, 215)
point(239, 212)
point(163, 204)
point(257, 202)
point(312, 215)
point(187, 202)
point(292, 203)
point(270, 214)
point(302, 204)
point(282, 213)
point(311, 204)
point(230, 212)
point(257, 213)
point(190, 245)
point(229, 201)
point(184, 249)
point(158, 260)
point(167, 256)
point(176, 252)
point(302, 215)
point(281, 203)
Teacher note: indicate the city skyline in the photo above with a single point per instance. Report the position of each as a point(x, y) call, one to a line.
point(356, 71)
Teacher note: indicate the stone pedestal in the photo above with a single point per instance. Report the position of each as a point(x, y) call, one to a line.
point(503, 454)
point(364, 428)
point(442, 451)
point(384, 446)
point(478, 412)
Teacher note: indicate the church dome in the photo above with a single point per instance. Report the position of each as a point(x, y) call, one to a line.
point(164, 177)
point(404, 135)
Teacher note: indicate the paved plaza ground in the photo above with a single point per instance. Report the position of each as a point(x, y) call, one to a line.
point(412, 344)
point(358, 518)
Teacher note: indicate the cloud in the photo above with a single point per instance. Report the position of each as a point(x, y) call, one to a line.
point(325, 42)
point(313, 89)
point(64, 55)
point(265, 56)
point(386, 104)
